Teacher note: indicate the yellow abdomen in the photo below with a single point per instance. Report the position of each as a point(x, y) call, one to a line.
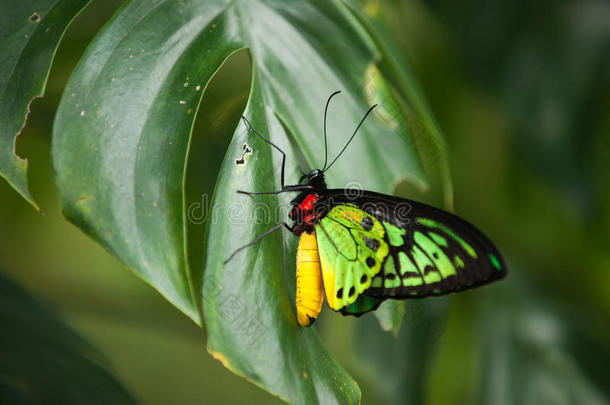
point(309, 280)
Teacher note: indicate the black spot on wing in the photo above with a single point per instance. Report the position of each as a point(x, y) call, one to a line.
point(367, 223)
point(372, 244)
point(370, 261)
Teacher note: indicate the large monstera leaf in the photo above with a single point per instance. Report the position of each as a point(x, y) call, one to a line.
point(121, 140)
point(30, 31)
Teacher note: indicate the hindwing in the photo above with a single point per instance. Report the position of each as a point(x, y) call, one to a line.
point(352, 247)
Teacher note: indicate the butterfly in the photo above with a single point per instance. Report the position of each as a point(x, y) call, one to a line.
point(359, 248)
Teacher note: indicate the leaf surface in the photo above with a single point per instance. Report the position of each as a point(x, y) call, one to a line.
point(30, 31)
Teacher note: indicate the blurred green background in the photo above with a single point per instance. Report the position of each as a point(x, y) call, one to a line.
point(522, 92)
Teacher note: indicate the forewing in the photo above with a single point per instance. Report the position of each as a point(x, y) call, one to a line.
point(430, 251)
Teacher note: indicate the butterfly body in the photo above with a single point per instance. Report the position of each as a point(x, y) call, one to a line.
point(309, 295)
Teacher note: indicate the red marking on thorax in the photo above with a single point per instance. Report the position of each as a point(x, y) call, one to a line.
point(307, 204)
point(304, 215)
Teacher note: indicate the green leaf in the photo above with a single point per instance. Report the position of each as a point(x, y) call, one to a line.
point(390, 314)
point(44, 361)
point(135, 96)
point(121, 139)
point(30, 32)
point(402, 93)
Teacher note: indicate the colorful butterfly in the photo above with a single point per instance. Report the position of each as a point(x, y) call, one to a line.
point(360, 248)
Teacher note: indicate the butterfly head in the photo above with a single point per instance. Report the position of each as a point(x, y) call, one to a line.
point(315, 178)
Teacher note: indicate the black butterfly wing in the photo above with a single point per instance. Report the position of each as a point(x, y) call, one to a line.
point(432, 252)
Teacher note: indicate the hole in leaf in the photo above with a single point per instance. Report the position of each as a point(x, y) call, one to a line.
point(247, 151)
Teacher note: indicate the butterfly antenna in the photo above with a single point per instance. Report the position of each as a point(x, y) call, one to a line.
point(352, 137)
point(325, 141)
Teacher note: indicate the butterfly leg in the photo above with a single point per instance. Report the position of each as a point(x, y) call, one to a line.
point(258, 238)
point(296, 187)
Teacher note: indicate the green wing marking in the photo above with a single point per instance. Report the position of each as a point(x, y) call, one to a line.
point(410, 274)
point(435, 252)
point(352, 248)
point(390, 279)
point(433, 224)
point(395, 234)
point(494, 261)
